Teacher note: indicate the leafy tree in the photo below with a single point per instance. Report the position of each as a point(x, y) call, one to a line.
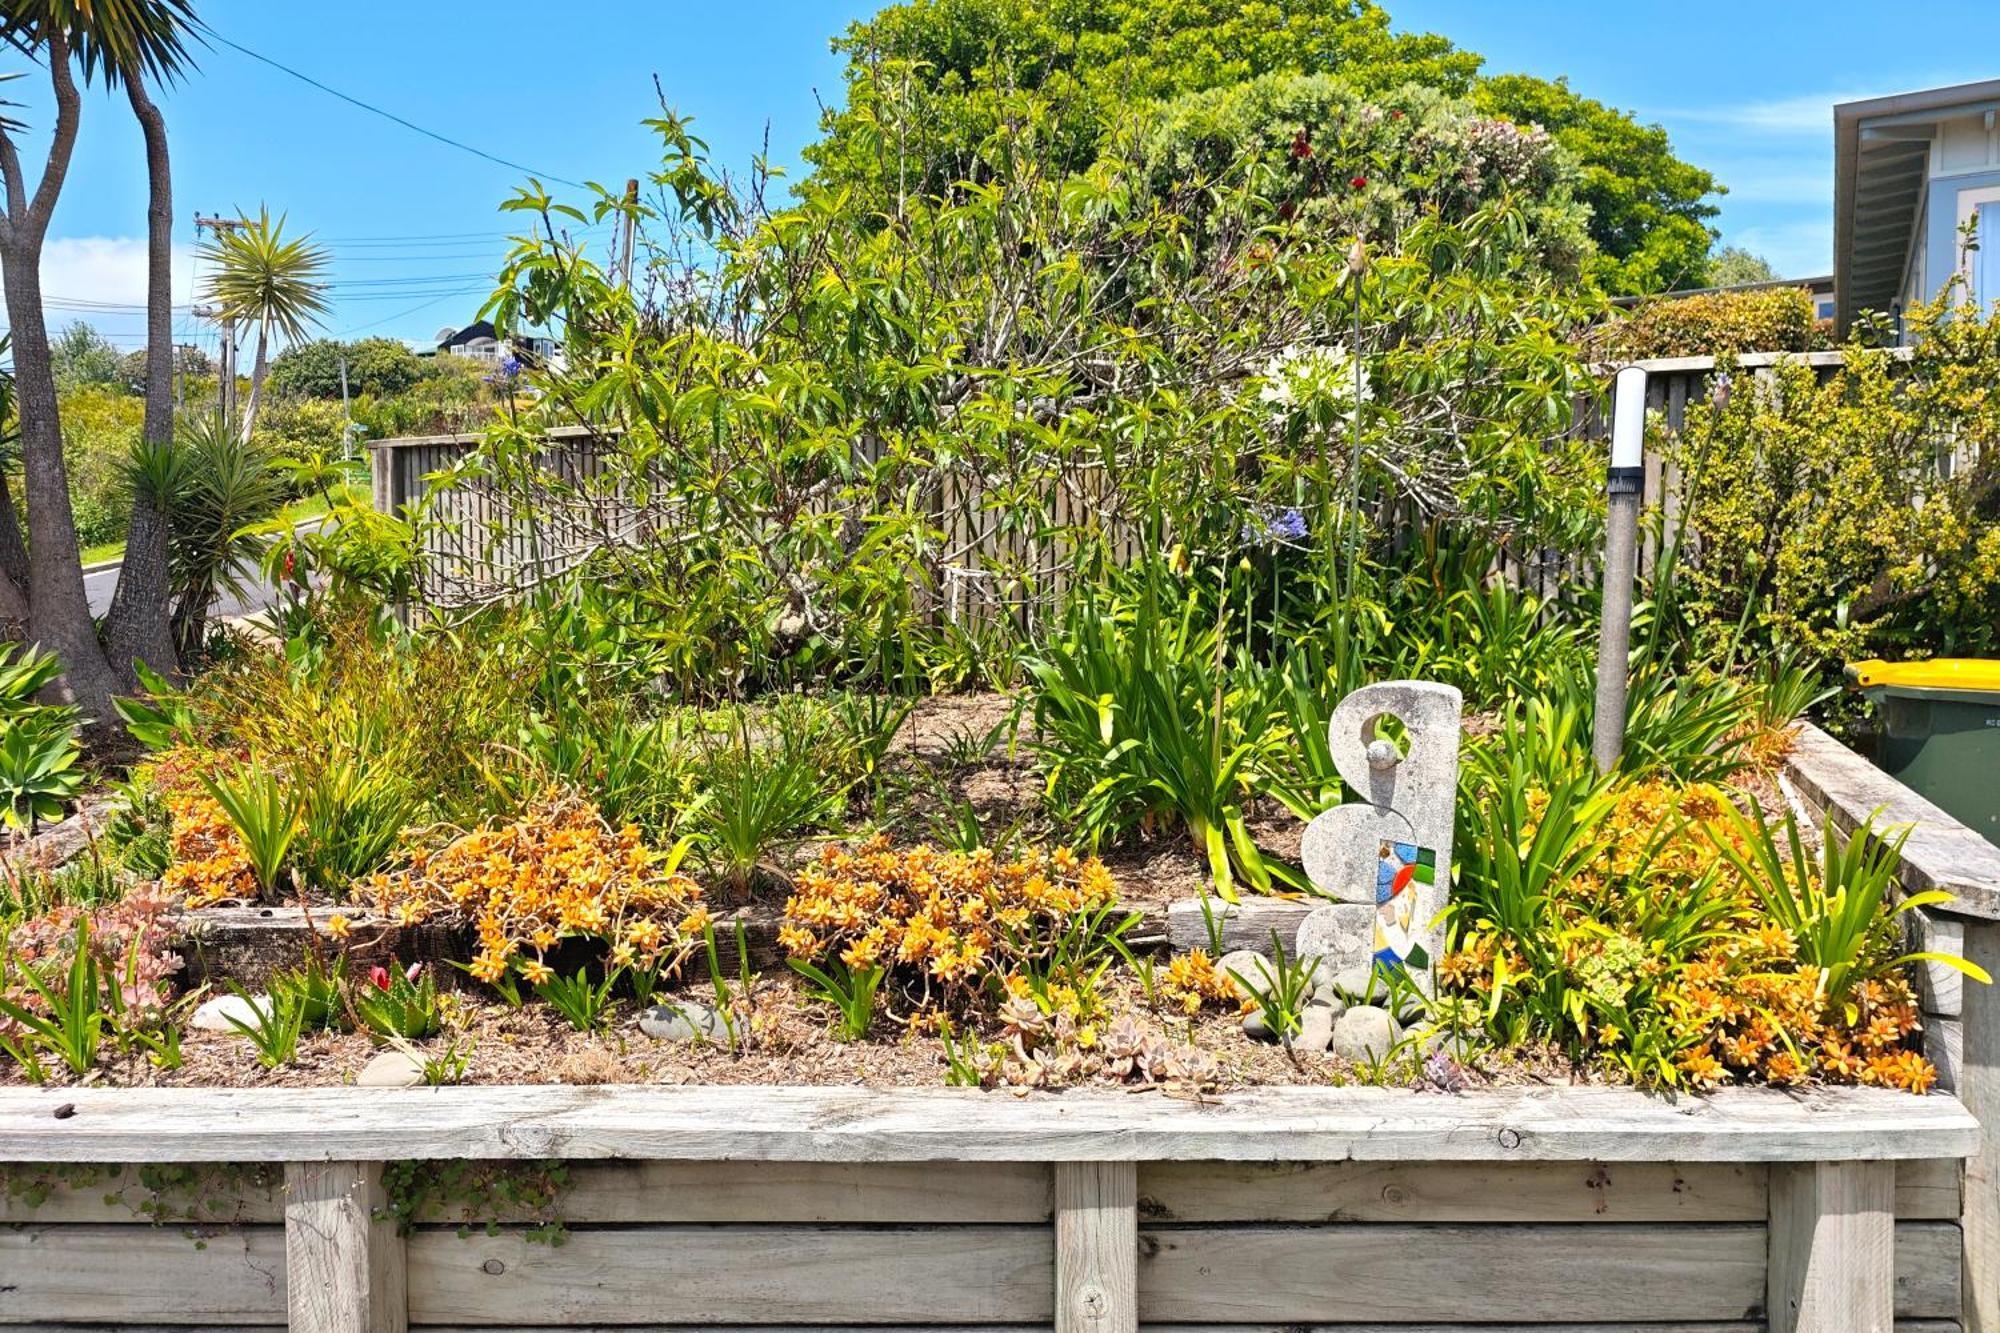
point(82, 356)
point(260, 277)
point(188, 362)
point(379, 366)
point(1648, 214)
point(1733, 266)
point(121, 42)
point(931, 83)
point(938, 90)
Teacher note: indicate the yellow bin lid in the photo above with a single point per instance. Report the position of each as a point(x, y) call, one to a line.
point(1942, 673)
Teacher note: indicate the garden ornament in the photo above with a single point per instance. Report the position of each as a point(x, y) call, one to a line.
point(1384, 858)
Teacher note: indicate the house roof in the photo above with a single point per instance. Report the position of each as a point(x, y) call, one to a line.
point(1881, 157)
point(478, 329)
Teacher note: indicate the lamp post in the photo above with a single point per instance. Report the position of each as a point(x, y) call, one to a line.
point(1624, 490)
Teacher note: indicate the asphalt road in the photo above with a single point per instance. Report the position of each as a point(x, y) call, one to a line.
point(257, 594)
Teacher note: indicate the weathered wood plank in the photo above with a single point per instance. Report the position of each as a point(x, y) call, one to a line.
point(1941, 853)
point(139, 1274)
point(218, 1194)
point(738, 1275)
point(1391, 1272)
point(854, 1125)
point(1430, 1192)
point(1929, 1190)
point(1832, 1247)
point(1097, 1247)
point(344, 1262)
point(1705, 1326)
point(1536, 1274)
point(1979, 1085)
point(1245, 925)
point(1495, 1192)
point(1940, 986)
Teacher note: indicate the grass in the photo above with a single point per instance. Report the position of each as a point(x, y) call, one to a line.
point(298, 511)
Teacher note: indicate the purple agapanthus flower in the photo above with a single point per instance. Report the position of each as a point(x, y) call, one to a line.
point(1290, 526)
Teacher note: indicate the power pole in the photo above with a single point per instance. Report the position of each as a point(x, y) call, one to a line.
point(346, 417)
point(625, 240)
point(226, 371)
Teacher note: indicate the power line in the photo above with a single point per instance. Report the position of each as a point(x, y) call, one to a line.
point(390, 115)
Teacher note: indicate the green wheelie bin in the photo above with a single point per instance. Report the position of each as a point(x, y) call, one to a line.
point(1940, 732)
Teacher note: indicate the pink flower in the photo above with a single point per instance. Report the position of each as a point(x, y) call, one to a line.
point(379, 977)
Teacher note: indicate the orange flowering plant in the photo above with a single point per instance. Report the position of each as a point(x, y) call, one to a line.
point(1646, 927)
point(951, 928)
point(556, 871)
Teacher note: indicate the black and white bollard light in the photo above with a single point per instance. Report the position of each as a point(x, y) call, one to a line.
point(1624, 491)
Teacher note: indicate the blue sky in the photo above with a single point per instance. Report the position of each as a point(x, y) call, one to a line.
point(1745, 89)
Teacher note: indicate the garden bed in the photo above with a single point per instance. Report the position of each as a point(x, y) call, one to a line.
point(807, 1208)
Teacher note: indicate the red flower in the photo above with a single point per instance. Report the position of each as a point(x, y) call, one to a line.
point(1359, 182)
point(1300, 146)
point(288, 564)
point(379, 976)
point(1395, 115)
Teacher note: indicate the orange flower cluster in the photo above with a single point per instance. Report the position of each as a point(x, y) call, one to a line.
point(210, 864)
point(948, 920)
point(1657, 953)
point(1192, 980)
point(1774, 1026)
point(555, 872)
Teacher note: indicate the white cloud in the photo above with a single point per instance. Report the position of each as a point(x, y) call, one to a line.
point(102, 281)
point(1808, 113)
point(107, 269)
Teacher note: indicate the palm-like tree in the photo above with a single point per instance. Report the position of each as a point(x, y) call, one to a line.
point(258, 276)
point(122, 43)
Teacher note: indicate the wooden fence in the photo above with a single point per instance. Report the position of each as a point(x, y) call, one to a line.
point(989, 557)
point(1819, 1211)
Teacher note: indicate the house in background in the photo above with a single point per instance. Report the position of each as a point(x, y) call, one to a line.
point(1910, 173)
point(479, 342)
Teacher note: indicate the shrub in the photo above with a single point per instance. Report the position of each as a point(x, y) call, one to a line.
point(1854, 516)
point(951, 928)
point(1777, 319)
point(554, 872)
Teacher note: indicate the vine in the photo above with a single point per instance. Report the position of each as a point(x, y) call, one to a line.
point(478, 1195)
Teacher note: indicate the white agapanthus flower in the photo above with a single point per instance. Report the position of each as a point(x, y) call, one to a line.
point(1326, 373)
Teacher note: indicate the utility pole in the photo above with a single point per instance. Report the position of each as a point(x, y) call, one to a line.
point(226, 371)
point(625, 240)
point(346, 417)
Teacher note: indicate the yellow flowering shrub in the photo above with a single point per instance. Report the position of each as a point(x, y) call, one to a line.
point(209, 862)
point(943, 924)
point(1656, 958)
point(555, 872)
point(1191, 981)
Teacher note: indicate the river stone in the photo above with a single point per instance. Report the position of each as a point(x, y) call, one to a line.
point(1364, 1033)
point(392, 1069)
point(1315, 1027)
point(689, 1020)
point(1342, 937)
point(1255, 1028)
point(1252, 966)
point(214, 1015)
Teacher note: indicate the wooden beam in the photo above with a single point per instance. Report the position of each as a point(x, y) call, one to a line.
point(1097, 1247)
point(1832, 1248)
point(344, 1262)
point(1979, 1085)
point(835, 1124)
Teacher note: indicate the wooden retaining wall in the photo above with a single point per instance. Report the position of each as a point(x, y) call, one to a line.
point(1354, 1209)
point(1961, 1018)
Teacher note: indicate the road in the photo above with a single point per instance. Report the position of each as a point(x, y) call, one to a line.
point(257, 594)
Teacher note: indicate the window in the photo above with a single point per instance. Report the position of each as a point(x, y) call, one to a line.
point(1982, 266)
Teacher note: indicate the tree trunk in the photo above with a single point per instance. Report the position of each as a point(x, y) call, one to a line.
point(58, 609)
point(258, 369)
point(13, 559)
point(139, 627)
